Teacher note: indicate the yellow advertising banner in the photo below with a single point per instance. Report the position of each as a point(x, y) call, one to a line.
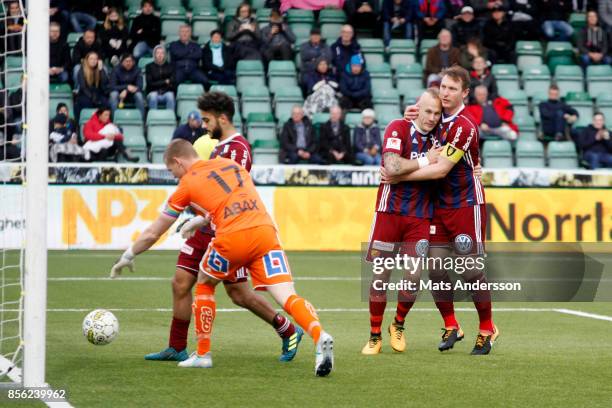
point(328, 218)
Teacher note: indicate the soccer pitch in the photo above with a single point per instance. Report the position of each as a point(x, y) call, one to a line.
point(543, 358)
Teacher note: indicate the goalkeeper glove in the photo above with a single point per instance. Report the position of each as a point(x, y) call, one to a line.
point(189, 228)
point(126, 260)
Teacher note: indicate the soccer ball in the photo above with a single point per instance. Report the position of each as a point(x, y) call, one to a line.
point(100, 327)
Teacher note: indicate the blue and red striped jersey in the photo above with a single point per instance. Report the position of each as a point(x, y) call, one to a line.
point(460, 188)
point(411, 198)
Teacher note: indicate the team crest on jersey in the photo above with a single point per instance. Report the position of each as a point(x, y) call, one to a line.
point(422, 247)
point(463, 244)
point(394, 142)
point(450, 150)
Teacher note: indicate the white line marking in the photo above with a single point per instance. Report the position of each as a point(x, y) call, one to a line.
point(324, 310)
point(584, 314)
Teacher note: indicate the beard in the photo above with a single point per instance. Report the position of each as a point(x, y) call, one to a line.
point(216, 133)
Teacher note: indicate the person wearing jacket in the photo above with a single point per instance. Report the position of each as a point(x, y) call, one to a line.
point(593, 42)
point(160, 80)
point(311, 50)
point(596, 144)
point(218, 61)
point(87, 43)
point(555, 14)
point(493, 116)
point(59, 55)
point(185, 56)
point(481, 75)
point(244, 35)
point(126, 83)
point(397, 15)
point(192, 130)
point(355, 86)
point(335, 139)
point(297, 140)
point(555, 115)
point(103, 139)
point(466, 27)
point(499, 36)
point(277, 39)
point(343, 49)
point(368, 144)
point(146, 31)
point(92, 84)
point(114, 36)
point(440, 56)
point(322, 73)
point(362, 14)
point(430, 15)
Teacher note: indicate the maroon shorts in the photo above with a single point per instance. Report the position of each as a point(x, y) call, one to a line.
point(463, 229)
point(193, 251)
point(393, 233)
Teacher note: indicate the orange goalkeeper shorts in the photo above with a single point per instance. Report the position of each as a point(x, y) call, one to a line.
point(256, 249)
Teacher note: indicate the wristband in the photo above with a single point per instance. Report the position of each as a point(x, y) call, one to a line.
point(423, 161)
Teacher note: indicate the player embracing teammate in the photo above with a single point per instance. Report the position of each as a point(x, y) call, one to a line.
point(459, 213)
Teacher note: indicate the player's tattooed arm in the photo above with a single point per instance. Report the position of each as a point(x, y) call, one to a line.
point(396, 165)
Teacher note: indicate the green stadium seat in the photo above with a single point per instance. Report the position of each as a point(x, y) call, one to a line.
point(255, 99)
point(536, 79)
point(319, 118)
point(599, 79)
point(60, 93)
point(426, 44)
point(331, 21)
point(409, 76)
point(229, 4)
point(143, 62)
point(204, 20)
point(263, 16)
point(507, 77)
point(562, 155)
point(73, 38)
point(130, 121)
point(581, 101)
point(172, 17)
point(249, 73)
point(373, 50)
point(385, 96)
point(380, 75)
point(260, 126)
point(497, 154)
point(186, 98)
point(13, 80)
point(385, 109)
point(265, 152)
point(535, 103)
point(228, 89)
point(519, 101)
point(258, 4)
point(559, 53)
point(384, 118)
point(300, 16)
point(577, 20)
point(411, 95)
point(604, 105)
point(301, 31)
point(281, 74)
point(529, 153)
point(528, 53)
point(160, 126)
point(352, 119)
point(198, 4)
point(401, 53)
point(285, 99)
point(527, 127)
point(569, 78)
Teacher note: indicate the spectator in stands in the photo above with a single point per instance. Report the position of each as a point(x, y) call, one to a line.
point(595, 143)
point(14, 112)
point(335, 139)
point(362, 14)
point(481, 75)
point(465, 27)
point(82, 15)
point(440, 56)
point(218, 60)
point(355, 85)
point(604, 10)
point(146, 31)
point(243, 33)
point(92, 84)
point(323, 74)
point(343, 49)
point(64, 142)
point(59, 13)
point(555, 14)
point(471, 50)
point(59, 55)
point(160, 80)
point(484, 8)
point(114, 36)
point(71, 124)
point(12, 27)
point(498, 35)
point(277, 39)
point(312, 50)
point(493, 115)
point(556, 115)
point(397, 15)
point(524, 16)
point(192, 130)
point(126, 85)
point(104, 140)
point(430, 15)
point(593, 42)
point(185, 56)
point(368, 144)
point(86, 44)
point(322, 88)
point(297, 140)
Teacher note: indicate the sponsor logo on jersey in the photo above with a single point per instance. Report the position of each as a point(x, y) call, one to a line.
point(240, 207)
point(469, 139)
point(394, 142)
point(432, 230)
point(463, 244)
point(186, 249)
point(457, 134)
point(383, 246)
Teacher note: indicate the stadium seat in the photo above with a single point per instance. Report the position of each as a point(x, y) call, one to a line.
point(196, 4)
point(426, 44)
point(186, 98)
point(260, 126)
point(130, 121)
point(506, 76)
point(249, 73)
point(578, 21)
point(172, 17)
point(281, 74)
point(411, 95)
point(497, 154)
point(265, 152)
point(385, 96)
point(143, 62)
point(562, 155)
point(529, 53)
point(581, 101)
point(384, 118)
point(204, 19)
point(84, 117)
point(536, 79)
point(527, 127)
point(73, 38)
point(559, 53)
point(519, 101)
point(229, 4)
point(380, 75)
point(319, 118)
point(13, 79)
point(599, 79)
point(373, 50)
point(401, 52)
point(529, 153)
point(352, 119)
point(535, 104)
point(604, 105)
point(263, 16)
point(331, 21)
point(255, 99)
point(409, 76)
point(142, 152)
point(160, 126)
point(387, 110)
point(60, 93)
point(258, 4)
point(300, 21)
point(285, 99)
point(569, 78)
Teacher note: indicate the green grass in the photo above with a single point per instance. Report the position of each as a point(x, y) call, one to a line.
point(543, 359)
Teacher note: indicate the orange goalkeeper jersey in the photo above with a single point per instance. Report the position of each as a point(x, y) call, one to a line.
point(225, 190)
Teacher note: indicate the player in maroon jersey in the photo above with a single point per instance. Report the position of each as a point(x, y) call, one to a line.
point(459, 208)
point(217, 111)
point(403, 213)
